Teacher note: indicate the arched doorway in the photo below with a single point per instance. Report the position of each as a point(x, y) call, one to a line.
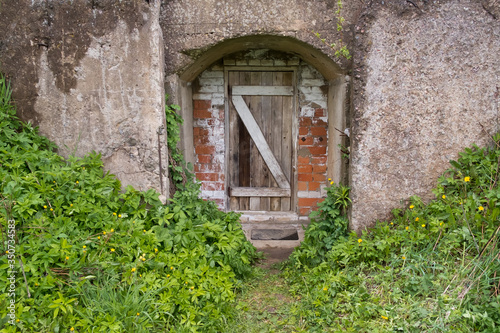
point(260, 130)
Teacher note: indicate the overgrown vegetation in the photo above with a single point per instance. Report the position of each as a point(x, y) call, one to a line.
point(88, 257)
point(434, 268)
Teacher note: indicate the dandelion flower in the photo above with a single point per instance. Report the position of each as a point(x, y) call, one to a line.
point(171, 268)
point(112, 250)
point(45, 207)
point(112, 230)
point(331, 183)
point(156, 250)
point(392, 223)
point(71, 205)
point(168, 275)
point(120, 215)
point(133, 269)
point(444, 196)
point(441, 223)
point(404, 258)
point(384, 317)
point(98, 237)
point(411, 206)
point(360, 240)
point(329, 179)
point(406, 228)
point(114, 214)
point(104, 232)
point(143, 259)
point(192, 288)
point(467, 179)
point(138, 314)
point(416, 219)
point(72, 329)
point(481, 208)
point(51, 210)
point(67, 258)
point(423, 225)
point(7, 252)
point(325, 289)
point(186, 282)
point(17, 320)
point(144, 230)
point(77, 182)
point(84, 247)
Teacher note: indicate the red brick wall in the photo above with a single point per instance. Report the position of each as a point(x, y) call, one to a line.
point(312, 159)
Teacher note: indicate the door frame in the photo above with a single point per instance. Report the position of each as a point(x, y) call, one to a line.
point(293, 182)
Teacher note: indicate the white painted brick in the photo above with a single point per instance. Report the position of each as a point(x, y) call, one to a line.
point(312, 82)
point(203, 97)
point(208, 73)
point(218, 99)
point(211, 81)
point(309, 194)
point(306, 111)
point(208, 89)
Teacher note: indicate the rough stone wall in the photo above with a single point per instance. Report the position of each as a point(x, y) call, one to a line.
point(426, 79)
point(90, 75)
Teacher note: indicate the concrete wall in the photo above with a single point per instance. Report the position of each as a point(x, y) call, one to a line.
point(426, 81)
point(422, 82)
point(90, 75)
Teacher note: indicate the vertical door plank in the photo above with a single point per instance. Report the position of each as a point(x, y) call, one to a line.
point(286, 148)
point(244, 149)
point(277, 116)
point(267, 129)
point(234, 136)
point(257, 162)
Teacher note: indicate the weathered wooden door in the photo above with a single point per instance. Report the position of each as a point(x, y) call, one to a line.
point(261, 118)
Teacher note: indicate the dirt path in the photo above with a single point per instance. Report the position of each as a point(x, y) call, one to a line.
point(265, 303)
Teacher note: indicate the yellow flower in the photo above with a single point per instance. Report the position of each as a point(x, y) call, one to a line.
point(84, 247)
point(416, 219)
point(36, 284)
point(112, 250)
point(77, 182)
point(112, 230)
point(51, 210)
point(467, 179)
point(140, 275)
point(461, 202)
point(71, 205)
point(114, 214)
point(144, 230)
point(331, 183)
point(72, 329)
point(120, 215)
point(411, 206)
point(186, 282)
point(133, 269)
point(67, 258)
point(329, 179)
point(325, 289)
point(98, 237)
point(138, 314)
point(406, 228)
point(133, 221)
point(444, 196)
point(392, 223)
point(104, 232)
point(54, 181)
point(171, 268)
point(7, 252)
point(83, 168)
point(440, 223)
point(192, 288)
point(17, 320)
point(143, 259)
point(404, 258)
point(384, 317)
point(481, 208)
point(45, 207)
point(156, 250)
point(423, 225)
point(168, 275)
point(360, 240)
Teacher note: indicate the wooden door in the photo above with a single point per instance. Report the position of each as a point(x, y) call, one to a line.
point(261, 114)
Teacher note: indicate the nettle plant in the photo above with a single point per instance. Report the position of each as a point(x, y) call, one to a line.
point(434, 267)
point(96, 258)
